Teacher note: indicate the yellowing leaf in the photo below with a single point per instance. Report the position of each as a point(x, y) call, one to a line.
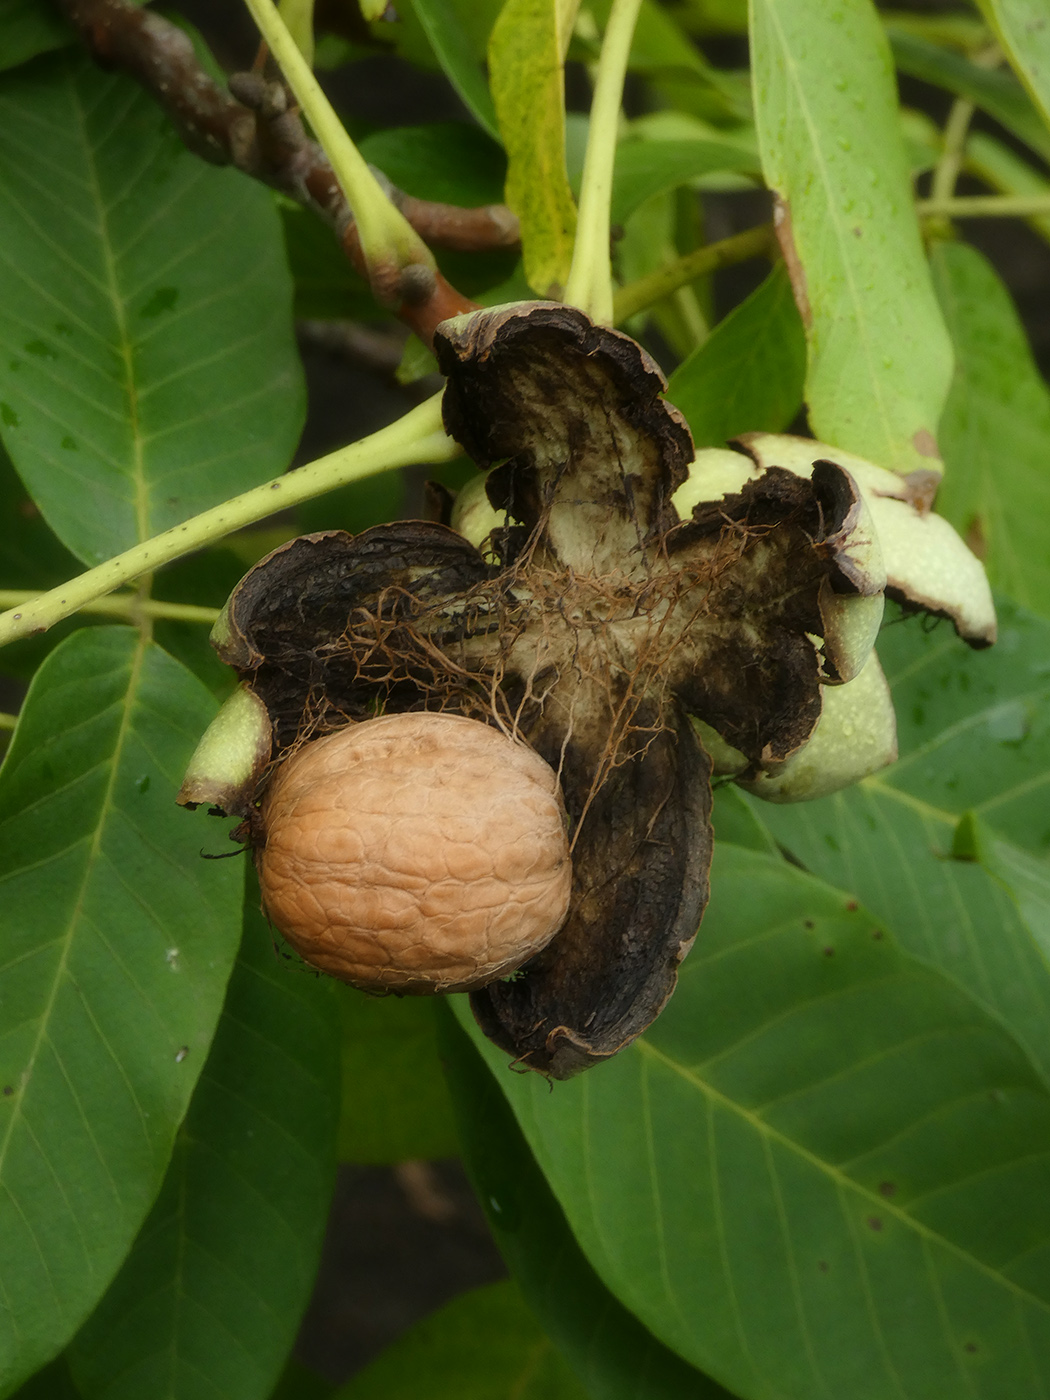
point(525, 67)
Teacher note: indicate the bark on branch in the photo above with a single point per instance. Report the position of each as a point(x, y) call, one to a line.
point(254, 127)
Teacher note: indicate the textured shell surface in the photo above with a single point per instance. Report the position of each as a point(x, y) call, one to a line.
point(415, 853)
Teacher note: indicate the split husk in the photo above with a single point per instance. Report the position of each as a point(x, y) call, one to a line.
point(596, 627)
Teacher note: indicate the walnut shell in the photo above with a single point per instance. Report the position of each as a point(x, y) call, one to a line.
point(415, 853)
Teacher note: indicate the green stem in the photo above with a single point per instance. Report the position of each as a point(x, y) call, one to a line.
point(647, 291)
point(388, 240)
point(955, 129)
point(991, 206)
point(128, 605)
point(590, 279)
point(417, 437)
point(7, 721)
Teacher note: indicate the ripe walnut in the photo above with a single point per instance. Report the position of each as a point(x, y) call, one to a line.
point(415, 853)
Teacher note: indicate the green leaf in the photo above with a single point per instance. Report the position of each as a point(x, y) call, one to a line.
point(147, 369)
point(824, 1171)
point(205, 579)
point(528, 91)
point(995, 428)
point(374, 501)
point(652, 237)
point(1007, 173)
point(995, 92)
point(677, 69)
point(829, 133)
point(952, 29)
point(458, 32)
point(52, 1383)
point(209, 1299)
point(300, 1383)
point(1022, 28)
point(748, 375)
point(611, 1352)
point(647, 168)
point(116, 941)
point(30, 555)
point(29, 27)
point(327, 286)
point(1026, 880)
point(974, 732)
point(484, 1345)
point(735, 821)
point(450, 162)
point(395, 1104)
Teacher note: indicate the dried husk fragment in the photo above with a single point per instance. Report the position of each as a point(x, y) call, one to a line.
point(928, 566)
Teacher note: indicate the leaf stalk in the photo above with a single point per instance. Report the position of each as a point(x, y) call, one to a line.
point(590, 278)
point(985, 206)
point(416, 437)
point(389, 242)
point(948, 167)
point(647, 291)
point(126, 605)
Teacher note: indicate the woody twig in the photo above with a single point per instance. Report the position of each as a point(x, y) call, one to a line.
point(256, 128)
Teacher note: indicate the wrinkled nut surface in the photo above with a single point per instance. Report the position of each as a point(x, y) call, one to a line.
point(416, 853)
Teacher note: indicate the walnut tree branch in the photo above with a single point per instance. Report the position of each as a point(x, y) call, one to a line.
point(254, 128)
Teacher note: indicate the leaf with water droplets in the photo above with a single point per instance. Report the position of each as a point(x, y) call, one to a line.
point(855, 257)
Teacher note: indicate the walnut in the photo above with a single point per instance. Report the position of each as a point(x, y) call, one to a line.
point(415, 853)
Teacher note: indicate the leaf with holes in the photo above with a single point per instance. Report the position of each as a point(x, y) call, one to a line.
point(974, 733)
point(209, 1299)
point(825, 1171)
point(147, 367)
point(116, 941)
point(826, 108)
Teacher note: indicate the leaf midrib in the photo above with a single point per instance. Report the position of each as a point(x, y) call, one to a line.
point(61, 971)
point(124, 348)
point(839, 1178)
